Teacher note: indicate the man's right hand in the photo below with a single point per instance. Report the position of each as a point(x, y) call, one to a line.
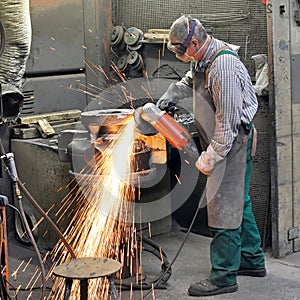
point(163, 103)
point(169, 98)
point(169, 108)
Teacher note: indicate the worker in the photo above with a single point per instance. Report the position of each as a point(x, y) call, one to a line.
point(224, 104)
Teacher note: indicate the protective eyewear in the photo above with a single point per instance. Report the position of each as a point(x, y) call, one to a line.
point(180, 48)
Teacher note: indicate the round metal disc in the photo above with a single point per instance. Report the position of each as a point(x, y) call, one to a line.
point(122, 62)
point(136, 47)
point(133, 57)
point(132, 36)
point(143, 126)
point(87, 267)
point(116, 36)
point(105, 117)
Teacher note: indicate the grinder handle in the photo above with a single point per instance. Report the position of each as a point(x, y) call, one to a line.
point(172, 131)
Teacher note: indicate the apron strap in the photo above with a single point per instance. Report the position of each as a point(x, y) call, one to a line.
point(254, 141)
point(223, 50)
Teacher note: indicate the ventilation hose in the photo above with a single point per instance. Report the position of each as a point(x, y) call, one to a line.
point(15, 17)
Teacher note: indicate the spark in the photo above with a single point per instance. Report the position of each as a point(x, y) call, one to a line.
point(149, 230)
point(36, 274)
point(177, 178)
point(24, 269)
point(93, 68)
point(102, 222)
point(14, 274)
point(29, 296)
point(153, 292)
point(161, 255)
point(17, 291)
point(118, 72)
point(42, 218)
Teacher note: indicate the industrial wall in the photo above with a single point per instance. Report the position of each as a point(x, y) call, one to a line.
point(238, 22)
point(284, 44)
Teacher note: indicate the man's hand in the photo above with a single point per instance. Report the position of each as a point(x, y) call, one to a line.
point(162, 103)
point(172, 95)
point(207, 160)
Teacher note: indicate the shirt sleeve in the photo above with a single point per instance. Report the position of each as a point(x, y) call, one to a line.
point(227, 97)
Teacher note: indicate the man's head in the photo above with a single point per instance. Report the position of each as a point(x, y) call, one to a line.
point(188, 39)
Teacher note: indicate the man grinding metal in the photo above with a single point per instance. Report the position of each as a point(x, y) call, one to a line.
point(224, 104)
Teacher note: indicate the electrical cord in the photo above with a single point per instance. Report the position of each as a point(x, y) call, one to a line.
point(131, 283)
point(182, 244)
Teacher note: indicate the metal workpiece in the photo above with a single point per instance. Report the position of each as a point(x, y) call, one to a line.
point(101, 119)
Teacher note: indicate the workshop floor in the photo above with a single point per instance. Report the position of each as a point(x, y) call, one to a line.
point(281, 282)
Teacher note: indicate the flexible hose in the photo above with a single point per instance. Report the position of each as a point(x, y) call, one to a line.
point(28, 231)
point(182, 244)
point(15, 16)
point(47, 218)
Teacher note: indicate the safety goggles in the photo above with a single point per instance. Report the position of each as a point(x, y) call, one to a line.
point(180, 48)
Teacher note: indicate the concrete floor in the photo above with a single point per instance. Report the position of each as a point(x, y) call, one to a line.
point(281, 282)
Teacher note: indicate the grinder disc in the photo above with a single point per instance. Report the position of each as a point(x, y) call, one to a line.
point(143, 126)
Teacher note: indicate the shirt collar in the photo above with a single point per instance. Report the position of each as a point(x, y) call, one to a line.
point(202, 64)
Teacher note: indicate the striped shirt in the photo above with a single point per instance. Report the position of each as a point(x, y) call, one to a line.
point(232, 93)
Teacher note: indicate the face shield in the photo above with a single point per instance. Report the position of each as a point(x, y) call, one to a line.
point(180, 48)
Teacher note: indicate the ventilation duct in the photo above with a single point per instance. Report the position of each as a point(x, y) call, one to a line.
point(15, 16)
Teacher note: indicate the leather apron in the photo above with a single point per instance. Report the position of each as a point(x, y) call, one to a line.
point(225, 186)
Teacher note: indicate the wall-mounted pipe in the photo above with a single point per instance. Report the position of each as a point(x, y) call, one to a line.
point(15, 16)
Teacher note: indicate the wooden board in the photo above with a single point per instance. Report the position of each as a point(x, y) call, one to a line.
point(60, 115)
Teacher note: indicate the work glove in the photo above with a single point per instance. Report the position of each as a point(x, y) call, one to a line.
point(176, 91)
point(172, 95)
point(208, 160)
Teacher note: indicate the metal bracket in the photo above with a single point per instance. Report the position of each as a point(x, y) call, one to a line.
point(293, 233)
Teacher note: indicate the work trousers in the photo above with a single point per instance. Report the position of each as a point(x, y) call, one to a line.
point(232, 248)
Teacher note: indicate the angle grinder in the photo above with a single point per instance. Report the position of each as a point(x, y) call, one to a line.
point(150, 120)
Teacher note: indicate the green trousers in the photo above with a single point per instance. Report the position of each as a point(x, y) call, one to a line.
point(230, 249)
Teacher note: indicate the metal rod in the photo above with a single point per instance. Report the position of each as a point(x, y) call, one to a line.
point(113, 288)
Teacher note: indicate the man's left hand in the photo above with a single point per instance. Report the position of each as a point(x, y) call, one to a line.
point(207, 161)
